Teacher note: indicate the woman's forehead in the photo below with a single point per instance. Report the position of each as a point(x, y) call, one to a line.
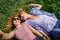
point(15, 17)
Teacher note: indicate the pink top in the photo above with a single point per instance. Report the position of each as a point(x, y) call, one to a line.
point(24, 33)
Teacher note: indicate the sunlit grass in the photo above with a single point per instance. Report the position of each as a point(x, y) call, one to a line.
point(7, 7)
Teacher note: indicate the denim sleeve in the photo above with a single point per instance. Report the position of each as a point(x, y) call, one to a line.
point(37, 27)
point(48, 14)
point(35, 11)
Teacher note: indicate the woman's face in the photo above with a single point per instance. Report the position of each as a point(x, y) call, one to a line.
point(24, 16)
point(16, 21)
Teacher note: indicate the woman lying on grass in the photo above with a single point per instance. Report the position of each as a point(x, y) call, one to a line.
point(22, 31)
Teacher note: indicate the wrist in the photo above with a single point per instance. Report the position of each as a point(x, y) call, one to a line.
point(29, 5)
point(1, 35)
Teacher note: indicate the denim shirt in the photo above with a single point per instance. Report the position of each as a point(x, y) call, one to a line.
point(36, 26)
point(44, 19)
point(36, 11)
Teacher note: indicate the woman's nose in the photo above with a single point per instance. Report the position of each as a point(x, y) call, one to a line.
point(16, 20)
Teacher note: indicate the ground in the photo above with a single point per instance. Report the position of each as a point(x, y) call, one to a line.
point(7, 7)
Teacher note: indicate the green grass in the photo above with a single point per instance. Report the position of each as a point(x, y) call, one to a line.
point(7, 7)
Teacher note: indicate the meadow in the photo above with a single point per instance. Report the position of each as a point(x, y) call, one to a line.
point(7, 7)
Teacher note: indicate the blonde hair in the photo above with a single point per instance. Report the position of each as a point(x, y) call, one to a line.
point(8, 23)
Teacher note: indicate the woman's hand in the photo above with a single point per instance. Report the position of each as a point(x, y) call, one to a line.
point(39, 6)
point(1, 33)
point(46, 38)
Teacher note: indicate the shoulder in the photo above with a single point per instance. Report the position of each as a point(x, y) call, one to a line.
point(25, 23)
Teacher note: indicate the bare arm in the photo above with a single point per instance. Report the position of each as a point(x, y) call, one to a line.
point(40, 33)
point(37, 5)
point(35, 31)
point(8, 35)
point(46, 36)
